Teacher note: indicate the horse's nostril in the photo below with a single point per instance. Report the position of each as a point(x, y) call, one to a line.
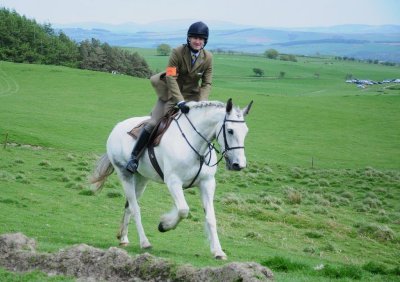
point(236, 166)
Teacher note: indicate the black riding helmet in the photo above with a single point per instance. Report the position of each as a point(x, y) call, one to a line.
point(198, 29)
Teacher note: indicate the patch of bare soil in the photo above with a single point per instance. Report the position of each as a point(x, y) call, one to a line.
point(18, 253)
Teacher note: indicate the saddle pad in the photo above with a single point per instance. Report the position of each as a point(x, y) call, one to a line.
point(136, 130)
point(158, 131)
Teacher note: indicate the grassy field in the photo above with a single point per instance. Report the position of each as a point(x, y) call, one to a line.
point(319, 200)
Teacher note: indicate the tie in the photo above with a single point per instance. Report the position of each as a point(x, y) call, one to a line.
point(193, 59)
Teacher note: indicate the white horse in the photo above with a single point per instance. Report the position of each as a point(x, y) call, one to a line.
point(186, 157)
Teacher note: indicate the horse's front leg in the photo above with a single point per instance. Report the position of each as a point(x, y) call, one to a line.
point(134, 187)
point(180, 210)
point(207, 189)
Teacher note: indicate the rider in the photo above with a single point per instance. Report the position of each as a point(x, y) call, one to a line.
point(188, 65)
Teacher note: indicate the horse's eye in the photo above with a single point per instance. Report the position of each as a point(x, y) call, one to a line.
point(230, 131)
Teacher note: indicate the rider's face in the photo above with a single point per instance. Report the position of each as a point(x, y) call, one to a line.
point(197, 43)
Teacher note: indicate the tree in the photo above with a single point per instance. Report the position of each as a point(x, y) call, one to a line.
point(163, 49)
point(258, 72)
point(287, 57)
point(271, 54)
point(23, 40)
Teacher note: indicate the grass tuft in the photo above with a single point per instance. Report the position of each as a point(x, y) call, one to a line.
point(283, 264)
point(114, 194)
point(293, 197)
point(45, 163)
point(86, 192)
point(338, 272)
point(314, 234)
point(375, 231)
point(375, 267)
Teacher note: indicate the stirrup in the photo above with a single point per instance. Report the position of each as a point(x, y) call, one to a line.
point(132, 165)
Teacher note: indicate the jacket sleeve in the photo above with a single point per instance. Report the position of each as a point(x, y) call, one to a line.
point(206, 80)
point(172, 83)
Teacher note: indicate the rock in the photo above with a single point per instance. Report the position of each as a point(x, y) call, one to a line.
point(16, 241)
point(86, 263)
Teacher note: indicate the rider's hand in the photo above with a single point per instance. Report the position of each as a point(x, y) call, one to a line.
point(183, 107)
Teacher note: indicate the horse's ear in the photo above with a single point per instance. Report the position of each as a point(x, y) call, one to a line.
point(229, 105)
point(246, 110)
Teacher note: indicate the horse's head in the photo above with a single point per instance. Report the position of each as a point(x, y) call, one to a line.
point(231, 136)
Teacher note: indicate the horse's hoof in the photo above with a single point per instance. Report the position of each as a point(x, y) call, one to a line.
point(147, 246)
point(161, 228)
point(123, 244)
point(221, 257)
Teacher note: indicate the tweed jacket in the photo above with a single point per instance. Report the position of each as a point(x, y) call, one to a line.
point(191, 83)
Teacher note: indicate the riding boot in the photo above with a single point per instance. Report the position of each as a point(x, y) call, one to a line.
point(142, 140)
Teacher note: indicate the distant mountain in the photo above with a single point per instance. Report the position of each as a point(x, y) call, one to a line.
point(353, 29)
point(358, 41)
point(156, 26)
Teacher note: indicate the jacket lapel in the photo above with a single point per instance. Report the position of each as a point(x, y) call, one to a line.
point(187, 58)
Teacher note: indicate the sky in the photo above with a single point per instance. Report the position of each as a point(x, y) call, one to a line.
point(262, 13)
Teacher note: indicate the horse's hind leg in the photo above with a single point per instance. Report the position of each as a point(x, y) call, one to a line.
point(122, 235)
point(134, 186)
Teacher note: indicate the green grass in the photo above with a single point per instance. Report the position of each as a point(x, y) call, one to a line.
point(322, 185)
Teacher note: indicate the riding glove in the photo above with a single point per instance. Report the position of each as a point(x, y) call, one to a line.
point(183, 107)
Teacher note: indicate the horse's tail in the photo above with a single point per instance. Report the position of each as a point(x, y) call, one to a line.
point(103, 169)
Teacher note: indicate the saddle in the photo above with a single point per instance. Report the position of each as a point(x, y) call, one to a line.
point(159, 129)
point(155, 139)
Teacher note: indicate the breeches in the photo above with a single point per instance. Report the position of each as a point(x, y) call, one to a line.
point(160, 109)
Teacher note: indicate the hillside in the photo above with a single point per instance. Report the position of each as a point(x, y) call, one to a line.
point(321, 187)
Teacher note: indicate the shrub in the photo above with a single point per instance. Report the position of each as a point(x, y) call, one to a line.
point(271, 54)
point(163, 49)
point(288, 57)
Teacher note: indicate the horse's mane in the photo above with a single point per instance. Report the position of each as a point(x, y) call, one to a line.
point(206, 104)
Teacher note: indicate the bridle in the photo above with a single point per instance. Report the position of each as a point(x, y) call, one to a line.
point(223, 127)
point(210, 145)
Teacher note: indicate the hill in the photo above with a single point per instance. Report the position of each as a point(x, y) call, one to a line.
point(358, 41)
point(321, 188)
